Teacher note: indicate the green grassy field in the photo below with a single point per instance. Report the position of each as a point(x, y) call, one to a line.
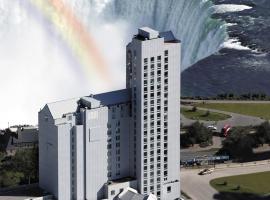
point(261, 110)
point(200, 115)
point(257, 183)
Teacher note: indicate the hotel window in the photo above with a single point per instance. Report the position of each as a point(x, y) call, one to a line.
point(152, 59)
point(145, 75)
point(145, 67)
point(145, 89)
point(165, 173)
point(117, 151)
point(166, 95)
point(145, 140)
point(159, 58)
point(166, 53)
point(166, 67)
point(166, 166)
point(145, 133)
point(165, 138)
point(159, 66)
point(158, 137)
point(145, 189)
point(169, 189)
point(166, 74)
point(145, 61)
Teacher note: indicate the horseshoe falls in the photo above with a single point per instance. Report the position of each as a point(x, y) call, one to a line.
point(190, 21)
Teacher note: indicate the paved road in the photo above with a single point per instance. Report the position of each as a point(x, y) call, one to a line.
point(198, 188)
point(235, 120)
point(190, 153)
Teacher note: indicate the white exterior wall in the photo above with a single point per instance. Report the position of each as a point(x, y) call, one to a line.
point(64, 162)
point(173, 123)
point(48, 152)
point(96, 152)
point(79, 163)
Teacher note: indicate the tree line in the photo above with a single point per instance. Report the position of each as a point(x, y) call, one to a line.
point(22, 168)
point(239, 143)
point(232, 96)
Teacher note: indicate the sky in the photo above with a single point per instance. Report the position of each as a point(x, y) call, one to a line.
point(37, 65)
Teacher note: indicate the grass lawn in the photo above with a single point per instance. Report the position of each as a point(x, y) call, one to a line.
point(257, 183)
point(200, 115)
point(261, 110)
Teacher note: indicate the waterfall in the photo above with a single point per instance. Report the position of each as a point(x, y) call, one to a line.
point(190, 20)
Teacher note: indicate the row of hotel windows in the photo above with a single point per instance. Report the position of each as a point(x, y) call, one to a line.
point(151, 115)
point(117, 148)
point(73, 165)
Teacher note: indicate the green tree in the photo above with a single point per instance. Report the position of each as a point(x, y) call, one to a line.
point(239, 143)
point(197, 133)
point(10, 178)
point(263, 133)
point(26, 162)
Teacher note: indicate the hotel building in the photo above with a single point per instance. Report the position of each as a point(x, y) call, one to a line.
point(123, 144)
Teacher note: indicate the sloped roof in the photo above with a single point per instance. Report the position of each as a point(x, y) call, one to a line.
point(129, 195)
point(114, 97)
point(57, 109)
point(168, 36)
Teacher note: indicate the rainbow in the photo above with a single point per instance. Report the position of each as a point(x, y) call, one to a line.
point(77, 38)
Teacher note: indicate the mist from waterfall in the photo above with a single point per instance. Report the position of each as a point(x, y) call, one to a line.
point(37, 68)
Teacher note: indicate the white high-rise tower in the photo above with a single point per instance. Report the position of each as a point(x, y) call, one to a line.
point(153, 74)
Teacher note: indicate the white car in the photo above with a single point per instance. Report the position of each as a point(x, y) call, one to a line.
point(212, 127)
point(206, 171)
